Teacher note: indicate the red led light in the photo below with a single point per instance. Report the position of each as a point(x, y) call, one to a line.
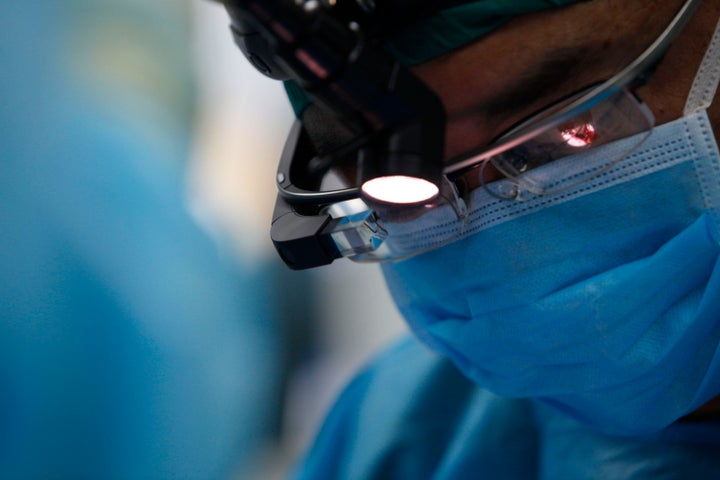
point(579, 135)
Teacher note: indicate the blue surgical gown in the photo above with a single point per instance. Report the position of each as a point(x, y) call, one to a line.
point(411, 415)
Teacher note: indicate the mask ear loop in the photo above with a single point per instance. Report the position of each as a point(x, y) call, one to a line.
point(707, 78)
point(699, 99)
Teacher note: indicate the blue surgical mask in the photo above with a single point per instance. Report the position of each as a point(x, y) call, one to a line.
point(603, 300)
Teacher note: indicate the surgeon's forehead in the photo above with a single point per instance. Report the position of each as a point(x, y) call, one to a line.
point(535, 60)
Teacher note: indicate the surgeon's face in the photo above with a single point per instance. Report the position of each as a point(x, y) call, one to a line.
point(540, 58)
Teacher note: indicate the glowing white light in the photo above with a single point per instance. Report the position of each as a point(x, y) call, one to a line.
point(400, 189)
point(579, 136)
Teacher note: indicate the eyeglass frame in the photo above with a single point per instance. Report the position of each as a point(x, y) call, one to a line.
point(303, 230)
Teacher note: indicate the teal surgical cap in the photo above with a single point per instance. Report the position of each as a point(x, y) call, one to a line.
point(445, 30)
point(454, 27)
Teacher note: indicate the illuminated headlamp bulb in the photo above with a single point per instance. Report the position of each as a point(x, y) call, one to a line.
point(400, 189)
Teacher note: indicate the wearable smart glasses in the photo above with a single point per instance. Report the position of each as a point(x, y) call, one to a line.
point(368, 199)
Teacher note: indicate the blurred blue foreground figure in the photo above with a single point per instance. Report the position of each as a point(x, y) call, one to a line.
point(128, 349)
point(541, 182)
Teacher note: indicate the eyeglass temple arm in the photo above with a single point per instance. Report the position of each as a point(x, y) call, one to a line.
point(298, 228)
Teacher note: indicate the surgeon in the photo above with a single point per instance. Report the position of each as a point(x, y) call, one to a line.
point(563, 280)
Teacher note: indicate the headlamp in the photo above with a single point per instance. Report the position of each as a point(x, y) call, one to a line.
point(330, 49)
point(400, 174)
